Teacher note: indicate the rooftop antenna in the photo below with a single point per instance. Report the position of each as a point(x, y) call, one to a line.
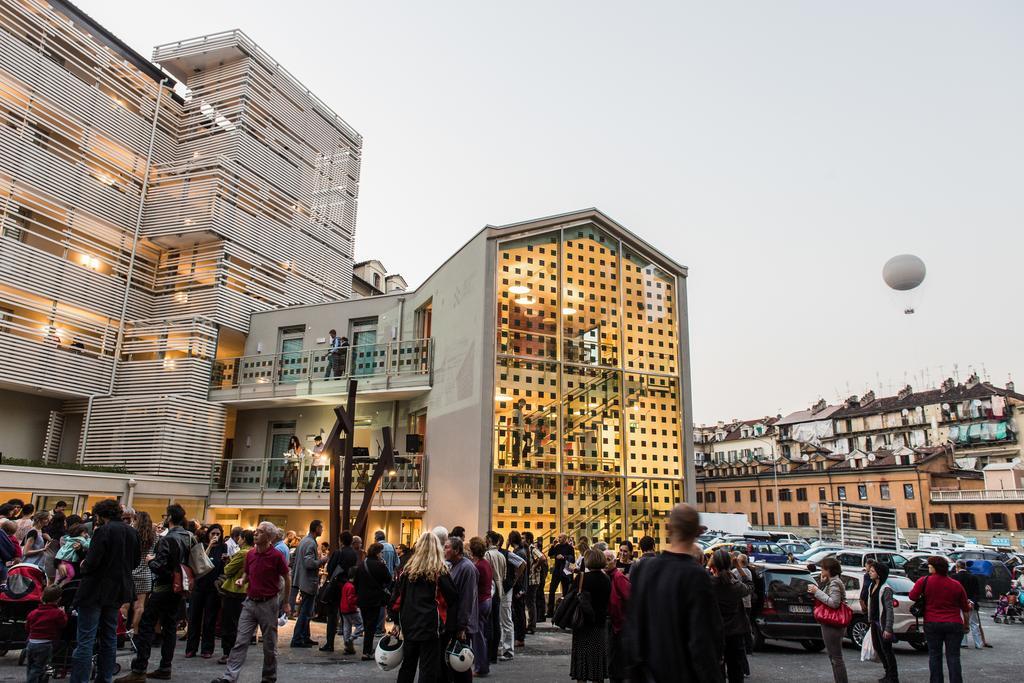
point(942, 372)
point(956, 373)
point(984, 373)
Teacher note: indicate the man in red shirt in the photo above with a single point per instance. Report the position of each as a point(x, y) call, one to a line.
point(267, 573)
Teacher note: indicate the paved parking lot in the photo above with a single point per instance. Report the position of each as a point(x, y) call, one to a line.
point(546, 658)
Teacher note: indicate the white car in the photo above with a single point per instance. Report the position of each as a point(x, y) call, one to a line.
point(854, 558)
point(905, 626)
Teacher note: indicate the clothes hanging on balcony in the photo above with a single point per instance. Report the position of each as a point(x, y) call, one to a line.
point(998, 406)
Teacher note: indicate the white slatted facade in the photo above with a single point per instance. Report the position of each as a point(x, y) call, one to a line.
point(251, 205)
point(156, 434)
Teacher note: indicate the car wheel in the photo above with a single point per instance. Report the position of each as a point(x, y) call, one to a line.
point(758, 639)
point(858, 631)
point(918, 645)
point(813, 645)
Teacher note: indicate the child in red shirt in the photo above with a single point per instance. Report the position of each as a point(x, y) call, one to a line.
point(46, 625)
point(351, 620)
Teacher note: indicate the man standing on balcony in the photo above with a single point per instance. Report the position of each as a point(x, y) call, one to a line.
point(306, 575)
point(335, 355)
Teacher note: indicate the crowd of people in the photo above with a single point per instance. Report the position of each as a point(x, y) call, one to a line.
point(633, 614)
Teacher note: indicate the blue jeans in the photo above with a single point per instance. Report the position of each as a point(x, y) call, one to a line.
point(480, 659)
point(301, 633)
point(37, 656)
point(95, 622)
point(944, 634)
point(975, 622)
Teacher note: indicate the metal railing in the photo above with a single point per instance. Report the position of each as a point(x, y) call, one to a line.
point(976, 495)
point(406, 359)
point(287, 475)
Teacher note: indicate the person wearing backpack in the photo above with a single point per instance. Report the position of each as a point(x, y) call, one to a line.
point(372, 582)
point(166, 563)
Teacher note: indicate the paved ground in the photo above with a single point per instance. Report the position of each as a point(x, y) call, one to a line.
point(546, 659)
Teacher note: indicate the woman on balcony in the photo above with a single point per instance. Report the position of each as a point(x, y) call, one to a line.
point(292, 457)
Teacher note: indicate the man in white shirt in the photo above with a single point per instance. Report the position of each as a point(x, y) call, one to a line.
point(232, 544)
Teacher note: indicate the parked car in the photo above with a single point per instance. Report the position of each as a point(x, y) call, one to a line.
point(979, 554)
point(916, 565)
point(818, 552)
point(794, 547)
point(855, 558)
point(781, 608)
point(816, 556)
point(905, 626)
point(756, 550)
point(995, 576)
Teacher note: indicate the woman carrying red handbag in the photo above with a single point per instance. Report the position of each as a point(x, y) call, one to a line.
point(832, 613)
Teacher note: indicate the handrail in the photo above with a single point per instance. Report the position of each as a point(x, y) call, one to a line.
point(394, 358)
point(309, 475)
point(954, 495)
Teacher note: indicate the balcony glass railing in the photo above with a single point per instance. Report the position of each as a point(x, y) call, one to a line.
point(408, 360)
point(280, 474)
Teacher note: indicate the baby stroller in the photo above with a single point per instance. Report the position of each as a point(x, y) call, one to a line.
point(60, 663)
point(19, 595)
point(1008, 609)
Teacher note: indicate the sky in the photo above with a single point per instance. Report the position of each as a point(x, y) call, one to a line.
point(782, 151)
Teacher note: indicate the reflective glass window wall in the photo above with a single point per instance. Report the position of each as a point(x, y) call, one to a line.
point(587, 406)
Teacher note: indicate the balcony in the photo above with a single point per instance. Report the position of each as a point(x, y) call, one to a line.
point(279, 483)
point(977, 495)
point(392, 371)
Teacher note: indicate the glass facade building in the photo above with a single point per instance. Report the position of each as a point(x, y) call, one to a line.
point(588, 423)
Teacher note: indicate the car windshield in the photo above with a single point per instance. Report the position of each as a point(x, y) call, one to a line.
point(900, 585)
point(786, 583)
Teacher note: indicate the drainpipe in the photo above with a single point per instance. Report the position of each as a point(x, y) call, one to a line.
point(128, 278)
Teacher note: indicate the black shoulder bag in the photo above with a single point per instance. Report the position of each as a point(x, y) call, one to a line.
point(917, 609)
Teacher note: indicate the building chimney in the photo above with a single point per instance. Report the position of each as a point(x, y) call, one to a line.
point(819, 406)
point(905, 393)
point(867, 398)
point(1009, 386)
point(973, 380)
point(948, 384)
point(852, 402)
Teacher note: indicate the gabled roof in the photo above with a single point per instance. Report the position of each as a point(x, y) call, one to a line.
point(807, 416)
point(598, 217)
point(956, 393)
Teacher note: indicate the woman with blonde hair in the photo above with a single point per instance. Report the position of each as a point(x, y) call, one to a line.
point(419, 615)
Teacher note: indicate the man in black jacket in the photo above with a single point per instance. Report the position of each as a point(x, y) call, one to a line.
point(674, 628)
point(171, 552)
point(106, 584)
point(561, 552)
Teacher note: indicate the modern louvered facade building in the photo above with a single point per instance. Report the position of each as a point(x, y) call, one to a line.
point(146, 210)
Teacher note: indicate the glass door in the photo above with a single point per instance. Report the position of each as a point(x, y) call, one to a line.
point(278, 474)
point(366, 353)
point(292, 367)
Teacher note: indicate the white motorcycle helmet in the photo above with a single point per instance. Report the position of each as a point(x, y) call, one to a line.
point(460, 657)
point(389, 652)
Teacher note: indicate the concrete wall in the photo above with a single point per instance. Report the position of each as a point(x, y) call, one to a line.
point(459, 406)
point(23, 425)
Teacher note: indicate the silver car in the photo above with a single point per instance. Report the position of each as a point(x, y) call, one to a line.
point(905, 626)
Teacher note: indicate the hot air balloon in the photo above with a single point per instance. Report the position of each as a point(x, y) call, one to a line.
point(903, 274)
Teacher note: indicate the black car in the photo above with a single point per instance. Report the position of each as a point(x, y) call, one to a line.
point(781, 608)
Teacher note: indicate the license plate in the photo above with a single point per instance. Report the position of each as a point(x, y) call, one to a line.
point(801, 609)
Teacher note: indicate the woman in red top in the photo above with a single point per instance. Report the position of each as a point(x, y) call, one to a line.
point(945, 618)
point(477, 548)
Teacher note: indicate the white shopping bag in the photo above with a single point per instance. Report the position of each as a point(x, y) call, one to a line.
point(867, 650)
